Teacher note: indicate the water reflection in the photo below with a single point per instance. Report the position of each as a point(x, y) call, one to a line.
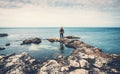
point(61, 48)
point(40, 47)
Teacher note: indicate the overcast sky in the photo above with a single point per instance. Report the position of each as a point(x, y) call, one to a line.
point(49, 13)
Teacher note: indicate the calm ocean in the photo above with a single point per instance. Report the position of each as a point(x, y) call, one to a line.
point(108, 39)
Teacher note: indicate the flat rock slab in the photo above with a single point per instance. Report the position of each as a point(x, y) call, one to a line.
point(53, 39)
point(72, 37)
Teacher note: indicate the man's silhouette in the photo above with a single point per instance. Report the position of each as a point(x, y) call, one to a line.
point(61, 32)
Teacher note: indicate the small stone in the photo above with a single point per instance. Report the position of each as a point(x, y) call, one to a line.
point(88, 51)
point(83, 63)
point(42, 72)
point(98, 71)
point(17, 71)
point(79, 71)
point(114, 70)
point(31, 60)
point(60, 57)
point(91, 56)
point(8, 44)
point(1, 57)
point(65, 68)
point(73, 63)
point(83, 55)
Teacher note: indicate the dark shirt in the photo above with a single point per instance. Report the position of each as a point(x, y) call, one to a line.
point(61, 30)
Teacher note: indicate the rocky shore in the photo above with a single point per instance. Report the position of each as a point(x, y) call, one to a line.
point(19, 64)
point(85, 59)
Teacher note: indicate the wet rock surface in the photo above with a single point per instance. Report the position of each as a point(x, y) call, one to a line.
point(53, 39)
point(33, 40)
point(2, 48)
point(7, 44)
point(3, 34)
point(85, 59)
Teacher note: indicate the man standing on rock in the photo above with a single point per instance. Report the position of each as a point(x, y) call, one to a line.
point(61, 32)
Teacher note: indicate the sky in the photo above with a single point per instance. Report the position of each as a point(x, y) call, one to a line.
point(56, 13)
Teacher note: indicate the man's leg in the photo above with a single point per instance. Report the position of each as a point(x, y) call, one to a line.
point(62, 35)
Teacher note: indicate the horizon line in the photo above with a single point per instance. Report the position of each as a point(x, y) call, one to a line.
point(65, 27)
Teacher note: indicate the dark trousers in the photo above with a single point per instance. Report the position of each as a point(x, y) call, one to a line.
point(61, 35)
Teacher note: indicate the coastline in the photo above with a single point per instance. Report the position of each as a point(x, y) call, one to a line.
point(85, 59)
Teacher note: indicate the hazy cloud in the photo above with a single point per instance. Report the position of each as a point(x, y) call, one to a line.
point(61, 3)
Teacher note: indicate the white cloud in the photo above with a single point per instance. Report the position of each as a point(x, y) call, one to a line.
point(53, 17)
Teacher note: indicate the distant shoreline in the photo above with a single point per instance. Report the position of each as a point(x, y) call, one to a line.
point(51, 27)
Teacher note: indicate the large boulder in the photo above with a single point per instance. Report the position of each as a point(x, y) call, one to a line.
point(3, 34)
point(33, 40)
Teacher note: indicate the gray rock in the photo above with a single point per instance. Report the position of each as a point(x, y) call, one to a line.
point(98, 71)
point(15, 71)
point(65, 68)
point(2, 48)
point(53, 39)
point(84, 63)
point(36, 40)
point(32, 60)
point(100, 61)
point(83, 55)
point(51, 67)
point(1, 56)
point(73, 63)
point(79, 71)
point(29, 41)
point(3, 34)
point(7, 44)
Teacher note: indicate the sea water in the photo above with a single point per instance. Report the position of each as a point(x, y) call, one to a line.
point(108, 39)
